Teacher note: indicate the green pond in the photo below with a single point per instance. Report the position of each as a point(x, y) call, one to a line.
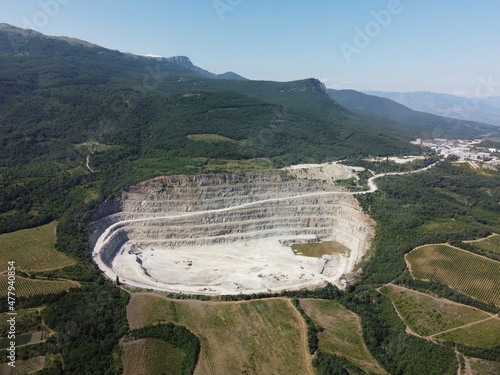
point(318, 249)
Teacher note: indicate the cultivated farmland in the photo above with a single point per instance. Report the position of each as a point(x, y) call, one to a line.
point(24, 366)
point(254, 337)
point(491, 243)
point(483, 335)
point(33, 249)
point(151, 357)
point(427, 315)
point(342, 333)
point(474, 275)
point(30, 287)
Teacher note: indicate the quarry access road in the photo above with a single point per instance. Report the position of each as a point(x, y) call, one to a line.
point(87, 163)
point(371, 185)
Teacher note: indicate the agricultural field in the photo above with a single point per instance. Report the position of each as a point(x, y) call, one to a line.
point(250, 337)
point(471, 274)
point(30, 287)
point(150, 357)
point(491, 243)
point(483, 335)
point(27, 366)
point(33, 249)
point(483, 367)
point(342, 333)
point(427, 315)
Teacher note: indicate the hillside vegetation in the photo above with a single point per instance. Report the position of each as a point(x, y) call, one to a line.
point(427, 315)
point(257, 337)
point(83, 122)
point(438, 126)
point(342, 334)
point(38, 253)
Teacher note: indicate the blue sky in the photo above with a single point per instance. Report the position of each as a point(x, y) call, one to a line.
point(390, 45)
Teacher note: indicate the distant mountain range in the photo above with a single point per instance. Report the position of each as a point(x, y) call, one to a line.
point(388, 108)
point(80, 117)
point(481, 109)
point(58, 92)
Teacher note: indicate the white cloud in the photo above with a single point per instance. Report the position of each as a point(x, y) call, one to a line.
point(152, 55)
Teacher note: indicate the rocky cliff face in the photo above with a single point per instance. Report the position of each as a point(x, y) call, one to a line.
point(204, 210)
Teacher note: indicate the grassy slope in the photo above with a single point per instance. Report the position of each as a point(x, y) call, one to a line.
point(33, 249)
point(257, 337)
point(489, 244)
point(482, 335)
point(27, 321)
point(342, 333)
point(150, 357)
point(427, 315)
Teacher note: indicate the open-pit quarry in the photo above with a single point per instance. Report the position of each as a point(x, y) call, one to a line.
point(231, 233)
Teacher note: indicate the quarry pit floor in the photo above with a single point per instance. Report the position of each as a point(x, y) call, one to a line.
point(255, 266)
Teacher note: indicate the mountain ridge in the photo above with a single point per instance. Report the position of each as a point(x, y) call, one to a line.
point(64, 106)
point(19, 47)
point(391, 109)
point(481, 109)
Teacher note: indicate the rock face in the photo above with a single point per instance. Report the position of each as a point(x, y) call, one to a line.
point(328, 171)
point(206, 214)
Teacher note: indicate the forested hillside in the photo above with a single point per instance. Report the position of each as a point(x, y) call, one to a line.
point(77, 117)
point(438, 126)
